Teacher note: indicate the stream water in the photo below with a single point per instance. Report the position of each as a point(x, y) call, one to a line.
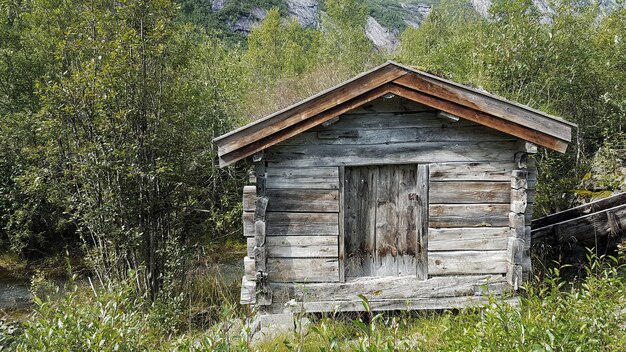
point(15, 294)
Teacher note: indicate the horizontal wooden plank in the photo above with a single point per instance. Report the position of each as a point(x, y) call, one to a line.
point(484, 171)
point(396, 153)
point(469, 215)
point(393, 287)
point(582, 210)
point(467, 262)
point(395, 104)
point(468, 192)
point(475, 133)
point(585, 229)
point(302, 178)
point(295, 224)
point(303, 200)
point(303, 246)
point(473, 238)
point(394, 121)
point(402, 304)
point(303, 269)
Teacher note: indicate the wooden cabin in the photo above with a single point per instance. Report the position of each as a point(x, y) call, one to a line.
point(409, 189)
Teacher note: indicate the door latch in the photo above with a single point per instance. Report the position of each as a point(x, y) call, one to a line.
point(412, 196)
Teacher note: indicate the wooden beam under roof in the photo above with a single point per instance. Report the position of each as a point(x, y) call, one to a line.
point(469, 103)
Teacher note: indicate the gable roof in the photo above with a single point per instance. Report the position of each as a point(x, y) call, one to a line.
point(472, 104)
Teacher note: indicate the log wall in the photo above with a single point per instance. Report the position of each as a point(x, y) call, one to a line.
point(473, 223)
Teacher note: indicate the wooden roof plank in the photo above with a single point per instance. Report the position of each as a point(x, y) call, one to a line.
point(481, 118)
point(486, 104)
point(472, 104)
point(310, 108)
point(289, 132)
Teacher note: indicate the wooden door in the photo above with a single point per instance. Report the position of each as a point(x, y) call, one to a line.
point(381, 215)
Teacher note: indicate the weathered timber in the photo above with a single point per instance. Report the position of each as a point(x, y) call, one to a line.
point(342, 224)
point(250, 246)
point(303, 269)
point(582, 210)
point(295, 129)
point(360, 220)
point(303, 178)
point(248, 291)
point(465, 239)
point(469, 215)
point(393, 287)
point(470, 192)
point(302, 246)
point(485, 119)
point(306, 109)
point(249, 271)
point(467, 262)
point(389, 121)
point(473, 171)
point(356, 305)
point(475, 133)
point(397, 153)
point(488, 104)
point(585, 229)
point(394, 104)
point(295, 224)
point(303, 200)
point(422, 221)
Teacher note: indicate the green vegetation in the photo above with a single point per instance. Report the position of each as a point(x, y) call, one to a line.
point(108, 109)
point(553, 315)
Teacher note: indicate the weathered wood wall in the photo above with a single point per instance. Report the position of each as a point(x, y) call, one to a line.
point(471, 196)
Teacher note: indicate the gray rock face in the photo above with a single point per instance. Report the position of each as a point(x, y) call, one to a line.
point(245, 23)
point(306, 11)
point(416, 13)
point(217, 5)
point(382, 37)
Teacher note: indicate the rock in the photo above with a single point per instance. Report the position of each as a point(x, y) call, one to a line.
point(217, 5)
point(415, 13)
point(245, 22)
point(382, 37)
point(306, 11)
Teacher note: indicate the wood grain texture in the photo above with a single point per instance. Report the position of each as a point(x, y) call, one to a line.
point(303, 269)
point(306, 109)
point(470, 192)
point(468, 215)
point(303, 178)
point(467, 262)
point(422, 221)
point(490, 105)
point(248, 291)
point(394, 104)
point(397, 153)
point(403, 304)
point(296, 224)
point(393, 287)
point(582, 210)
point(303, 200)
point(584, 229)
point(302, 246)
point(488, 120)
point(464, 239)
point(479, 171)
point(356, 135)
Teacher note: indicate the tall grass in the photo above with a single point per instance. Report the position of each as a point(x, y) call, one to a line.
point(587, 314)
